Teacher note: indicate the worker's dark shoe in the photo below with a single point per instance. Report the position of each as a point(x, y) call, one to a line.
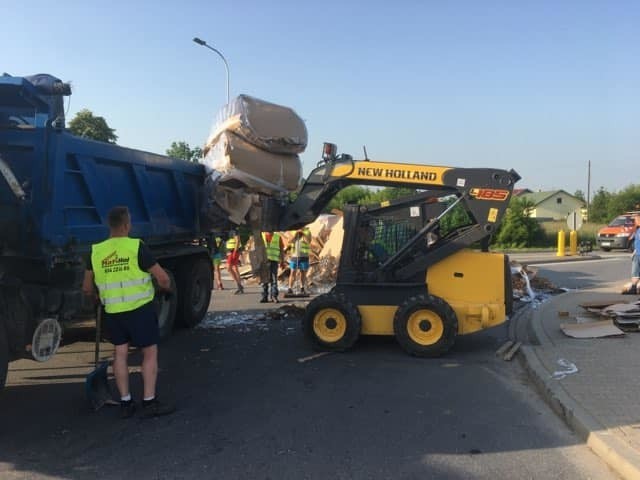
point(239, 290)
point(263, 300)
point(127, 409)
point(156, 408)
point(290, 292)
point(302, 292)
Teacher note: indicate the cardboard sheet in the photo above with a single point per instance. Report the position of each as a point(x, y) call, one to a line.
point(598, 329)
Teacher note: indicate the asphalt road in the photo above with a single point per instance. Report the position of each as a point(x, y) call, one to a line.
point(249, 409)
point(609, 272)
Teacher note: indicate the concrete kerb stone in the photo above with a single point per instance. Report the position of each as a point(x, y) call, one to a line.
point(619, 455)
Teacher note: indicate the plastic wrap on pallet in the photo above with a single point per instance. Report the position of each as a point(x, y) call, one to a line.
point(270, 127)
point(246, 166)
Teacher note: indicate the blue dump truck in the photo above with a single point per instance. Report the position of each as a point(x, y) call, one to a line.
point(55, 192)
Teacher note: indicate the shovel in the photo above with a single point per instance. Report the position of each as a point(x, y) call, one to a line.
point(96, 384)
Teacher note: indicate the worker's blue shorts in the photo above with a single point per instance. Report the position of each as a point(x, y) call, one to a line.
point(139, 327)
point(301, 263)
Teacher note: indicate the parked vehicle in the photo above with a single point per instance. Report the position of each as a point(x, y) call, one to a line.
point(55, 192)
point(619, 233)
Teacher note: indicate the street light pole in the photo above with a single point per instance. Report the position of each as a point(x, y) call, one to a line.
point(226, 65)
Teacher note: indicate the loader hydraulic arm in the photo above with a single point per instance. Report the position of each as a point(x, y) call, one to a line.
point(485, 191)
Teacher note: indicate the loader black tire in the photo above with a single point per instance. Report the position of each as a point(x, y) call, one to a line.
point(332, 323)
point(166, 304)
point(195, 281)
point(425, 326)
point(4, 355)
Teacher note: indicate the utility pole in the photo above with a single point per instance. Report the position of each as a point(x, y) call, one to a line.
point(588, 190)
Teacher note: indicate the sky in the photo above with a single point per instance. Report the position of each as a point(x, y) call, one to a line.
point(542, 87)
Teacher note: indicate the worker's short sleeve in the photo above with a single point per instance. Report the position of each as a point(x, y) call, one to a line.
point(146, 260)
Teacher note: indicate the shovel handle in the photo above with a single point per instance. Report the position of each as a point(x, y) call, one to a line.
point(98, 332)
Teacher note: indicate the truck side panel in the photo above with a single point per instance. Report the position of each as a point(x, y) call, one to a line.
point(71, 186)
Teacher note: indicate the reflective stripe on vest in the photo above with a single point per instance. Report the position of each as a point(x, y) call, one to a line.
point(122, 285)
point(273, 247)
point(231, 244)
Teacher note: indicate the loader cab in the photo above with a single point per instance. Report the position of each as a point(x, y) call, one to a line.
point(382, 230)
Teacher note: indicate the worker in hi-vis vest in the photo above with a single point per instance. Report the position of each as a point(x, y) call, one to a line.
point(275, 255)
point(122, 269)
point(299, 249)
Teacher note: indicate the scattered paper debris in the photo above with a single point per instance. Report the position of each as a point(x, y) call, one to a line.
point(312, 357)
point(569, 368)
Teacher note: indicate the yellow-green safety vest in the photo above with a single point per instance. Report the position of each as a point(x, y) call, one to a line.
point(273, 247)
point(305, 247)
point(231, 244)
point(122, 285)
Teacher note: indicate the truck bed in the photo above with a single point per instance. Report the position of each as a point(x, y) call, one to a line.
point(70, 183)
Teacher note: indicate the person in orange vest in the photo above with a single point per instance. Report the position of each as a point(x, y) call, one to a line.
point(122, 269)
point(275, 256)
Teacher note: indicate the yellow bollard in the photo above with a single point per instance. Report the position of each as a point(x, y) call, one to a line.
point(560, 244)
point(573, 242)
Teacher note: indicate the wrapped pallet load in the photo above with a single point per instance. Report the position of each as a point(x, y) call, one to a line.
point(254, 145)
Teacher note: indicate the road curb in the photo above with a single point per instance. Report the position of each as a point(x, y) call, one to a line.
point(621, 457)
point(565, 259)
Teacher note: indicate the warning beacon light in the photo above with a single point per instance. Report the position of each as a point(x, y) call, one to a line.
point(329, 151)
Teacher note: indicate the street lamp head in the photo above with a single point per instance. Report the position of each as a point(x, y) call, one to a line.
point(199, 42)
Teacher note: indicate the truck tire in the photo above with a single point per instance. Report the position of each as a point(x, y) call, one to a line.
point(331, 322)
point(166, 304)
point(195, 281)
point(425, 326)
point(4, 355)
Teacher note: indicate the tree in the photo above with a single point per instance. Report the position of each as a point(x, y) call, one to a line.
point(579, 194)
point(518, 229)
point(86, 124)
point(182, 151)
point(351, 194)
point(624, 201)
point(599, 208)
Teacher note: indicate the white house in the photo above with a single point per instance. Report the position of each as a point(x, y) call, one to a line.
point(553, 205)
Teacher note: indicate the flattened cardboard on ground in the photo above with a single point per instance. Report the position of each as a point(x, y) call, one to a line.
point(619, 308)
point(597, 329)
point(598, 305)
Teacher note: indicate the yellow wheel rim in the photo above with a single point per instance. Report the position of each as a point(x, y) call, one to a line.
point(329, 325)
point(425, 327)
